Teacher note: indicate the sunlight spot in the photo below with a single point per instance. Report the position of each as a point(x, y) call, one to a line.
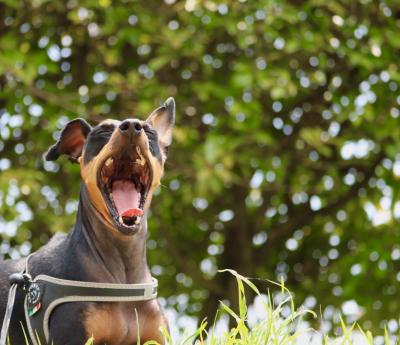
point(338, 20)
point(226, 215)
point(356, 269)
point(315, 203)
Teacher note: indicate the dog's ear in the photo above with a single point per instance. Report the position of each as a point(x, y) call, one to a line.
point(71, 141)
point(162, 120)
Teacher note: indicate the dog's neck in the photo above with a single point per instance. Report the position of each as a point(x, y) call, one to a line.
point(106, 255)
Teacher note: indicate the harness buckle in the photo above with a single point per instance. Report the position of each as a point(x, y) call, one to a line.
point(23, 280)
point(27, 282)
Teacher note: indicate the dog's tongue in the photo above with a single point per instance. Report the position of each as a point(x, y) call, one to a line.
point(126, 198)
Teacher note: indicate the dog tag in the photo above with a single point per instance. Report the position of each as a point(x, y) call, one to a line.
point(34, 296)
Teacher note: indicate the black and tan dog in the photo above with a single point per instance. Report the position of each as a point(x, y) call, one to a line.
point(121, 165)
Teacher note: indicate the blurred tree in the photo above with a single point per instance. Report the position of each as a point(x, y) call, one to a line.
point(285, 162)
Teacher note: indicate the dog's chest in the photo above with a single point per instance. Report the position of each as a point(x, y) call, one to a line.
point(124, 323)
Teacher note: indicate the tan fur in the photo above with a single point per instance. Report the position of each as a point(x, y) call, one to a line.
point(116, 323)
point(89, 172)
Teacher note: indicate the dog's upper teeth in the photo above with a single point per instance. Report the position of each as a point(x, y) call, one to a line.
point(109, 161)
point(140, 159)
point(137, 221)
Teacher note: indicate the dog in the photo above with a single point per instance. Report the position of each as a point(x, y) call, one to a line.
point(121, 164)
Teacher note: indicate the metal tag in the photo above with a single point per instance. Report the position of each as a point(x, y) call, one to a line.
point(35, 293)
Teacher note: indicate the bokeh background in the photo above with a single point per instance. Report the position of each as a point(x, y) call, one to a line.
point(286, 156)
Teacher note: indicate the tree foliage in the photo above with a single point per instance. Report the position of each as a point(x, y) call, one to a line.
point(285, 158)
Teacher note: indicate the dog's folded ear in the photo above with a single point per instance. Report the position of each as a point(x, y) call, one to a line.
point(162, 120)
point(71, 141)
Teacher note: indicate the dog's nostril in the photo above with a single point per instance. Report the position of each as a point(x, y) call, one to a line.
point(128, 125)
point(124, 126)
point(138, 126)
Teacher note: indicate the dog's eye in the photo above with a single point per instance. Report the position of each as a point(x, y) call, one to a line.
point(96, 141)
point(105, 131)
point(151, 134)
point(153, 141)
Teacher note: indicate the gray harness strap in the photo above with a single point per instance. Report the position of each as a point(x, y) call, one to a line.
point(21, 279)
point(7, 316)
point(49, 292)
point(45, 293)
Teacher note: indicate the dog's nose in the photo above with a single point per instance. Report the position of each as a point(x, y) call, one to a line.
point(130, 126)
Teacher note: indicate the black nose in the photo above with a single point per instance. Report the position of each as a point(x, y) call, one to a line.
point(130, 125)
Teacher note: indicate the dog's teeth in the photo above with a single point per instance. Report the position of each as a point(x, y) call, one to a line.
point(140, 160)
point(109, 161)
point(137, 220)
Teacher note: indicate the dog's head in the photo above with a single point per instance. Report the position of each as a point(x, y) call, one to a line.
point(121, 162)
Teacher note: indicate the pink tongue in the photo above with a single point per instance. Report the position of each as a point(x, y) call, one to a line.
point(126, 198)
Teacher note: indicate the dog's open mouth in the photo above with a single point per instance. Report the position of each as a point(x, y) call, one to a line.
point(125, 182)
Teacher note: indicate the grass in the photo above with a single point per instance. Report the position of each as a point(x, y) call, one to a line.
point(272, 328)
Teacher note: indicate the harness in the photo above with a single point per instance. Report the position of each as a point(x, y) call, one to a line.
point(44, 293)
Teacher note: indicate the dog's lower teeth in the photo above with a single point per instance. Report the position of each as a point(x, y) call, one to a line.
point(127, 222)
